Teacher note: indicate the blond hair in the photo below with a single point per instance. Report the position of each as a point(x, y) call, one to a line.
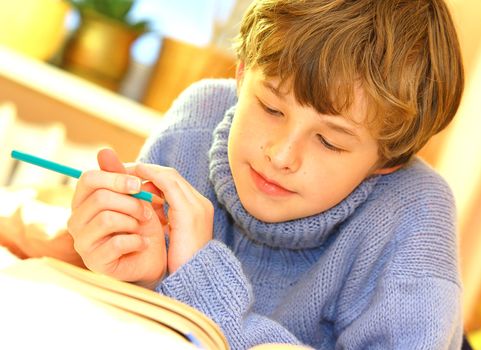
point(404, 53)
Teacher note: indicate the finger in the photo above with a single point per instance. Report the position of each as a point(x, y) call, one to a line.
point(93, 180)
point(158, 198)
point(109, 161)
point(130, 168)
point(150, 187)
point(112, 249)
point(102, 200)
point(158, 201)
point(160, 212)
point(177, 191)
point(100, 228)
point(147, 185)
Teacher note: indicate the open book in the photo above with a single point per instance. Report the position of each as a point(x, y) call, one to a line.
point(56, 305)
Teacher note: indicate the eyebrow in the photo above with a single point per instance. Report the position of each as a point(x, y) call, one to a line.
point(341, 129)
point(272, 88)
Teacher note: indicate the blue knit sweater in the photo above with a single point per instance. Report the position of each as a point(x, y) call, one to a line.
point(377, 271)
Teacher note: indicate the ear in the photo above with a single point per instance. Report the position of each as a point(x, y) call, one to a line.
point(385, 171)
point(239, 73)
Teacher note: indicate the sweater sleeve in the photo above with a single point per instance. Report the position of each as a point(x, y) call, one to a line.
point(213, 282)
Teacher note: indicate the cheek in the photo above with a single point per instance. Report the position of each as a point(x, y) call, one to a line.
point(327, 185)
point(239, 144)
point(247, 132)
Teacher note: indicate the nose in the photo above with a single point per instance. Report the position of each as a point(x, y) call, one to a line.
point(284, 153)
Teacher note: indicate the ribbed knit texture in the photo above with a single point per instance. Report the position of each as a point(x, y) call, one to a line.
point(379, 270)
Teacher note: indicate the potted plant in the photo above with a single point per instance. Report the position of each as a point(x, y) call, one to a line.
point(99, 50)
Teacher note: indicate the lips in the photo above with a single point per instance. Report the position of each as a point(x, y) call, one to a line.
point(268, 186)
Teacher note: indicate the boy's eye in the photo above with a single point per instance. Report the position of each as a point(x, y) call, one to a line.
point(269, 110)
point(328, 145)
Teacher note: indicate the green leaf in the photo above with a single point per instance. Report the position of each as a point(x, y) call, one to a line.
point(117, 10)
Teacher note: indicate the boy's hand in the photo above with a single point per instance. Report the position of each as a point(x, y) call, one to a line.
point(190, 214)
point(114, 233)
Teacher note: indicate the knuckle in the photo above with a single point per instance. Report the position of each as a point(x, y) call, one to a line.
point(209, 207)
point(106, 219)
point(172, 171)
point(88, 178)
point(100, 196)
point(119, 242)
point(130, 225)
point(119, 183)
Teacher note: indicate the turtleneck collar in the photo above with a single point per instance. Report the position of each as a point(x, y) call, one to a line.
point(308, 232)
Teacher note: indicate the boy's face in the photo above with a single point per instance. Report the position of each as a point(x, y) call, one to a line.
point(287, 160)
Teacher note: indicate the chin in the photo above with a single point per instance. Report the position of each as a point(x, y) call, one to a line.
point(267, 216)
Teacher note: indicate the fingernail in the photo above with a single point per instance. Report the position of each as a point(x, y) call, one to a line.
point(133, 185)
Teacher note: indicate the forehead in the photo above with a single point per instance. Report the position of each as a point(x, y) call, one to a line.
point(355, 112)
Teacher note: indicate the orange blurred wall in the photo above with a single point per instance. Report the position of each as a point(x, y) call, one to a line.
point(456, 154)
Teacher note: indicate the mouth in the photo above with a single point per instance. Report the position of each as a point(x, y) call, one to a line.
point(267, 186)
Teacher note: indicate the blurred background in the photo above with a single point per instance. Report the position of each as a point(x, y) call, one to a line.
point(79, 75)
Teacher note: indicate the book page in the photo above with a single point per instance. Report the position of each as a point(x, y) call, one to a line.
point(133, 301)
point(7, 258)
point(40, 315)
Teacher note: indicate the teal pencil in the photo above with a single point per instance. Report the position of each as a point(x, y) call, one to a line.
point(66, 170)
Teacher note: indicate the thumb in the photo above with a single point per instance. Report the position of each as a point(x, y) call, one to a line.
point(109, 161)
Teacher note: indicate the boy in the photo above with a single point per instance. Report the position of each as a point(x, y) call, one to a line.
point(297, 211)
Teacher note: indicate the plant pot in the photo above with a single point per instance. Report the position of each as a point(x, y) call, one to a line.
point(180, 64)
point(100, 50)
